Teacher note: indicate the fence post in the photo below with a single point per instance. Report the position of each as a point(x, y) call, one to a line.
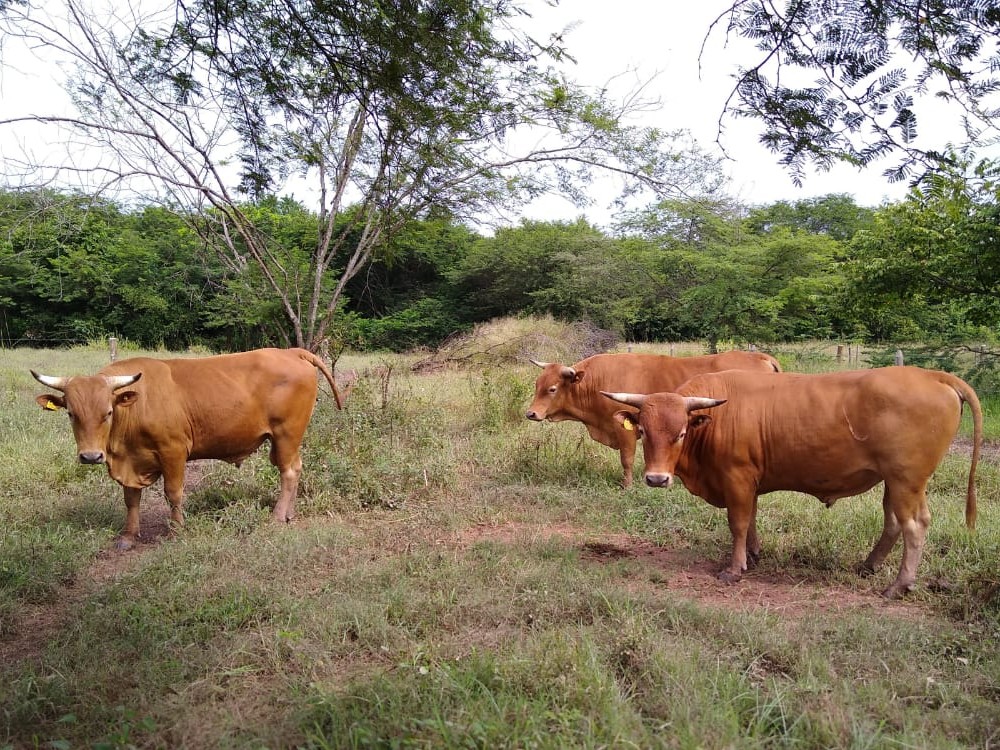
point(753, 347)
point(840, 352)
point(113, 347)
point(899, 357)
point(671, 350)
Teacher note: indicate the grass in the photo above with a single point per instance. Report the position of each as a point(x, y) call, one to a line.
point(437, 592)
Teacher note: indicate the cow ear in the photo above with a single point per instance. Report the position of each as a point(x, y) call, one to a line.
point(50, 402)
point(698, 420)
point(578, 376)
point(626, 420)
point(126, 398)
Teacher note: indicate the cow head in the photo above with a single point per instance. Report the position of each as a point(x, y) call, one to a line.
point(663, 421)
point(90, 401)
point(552, 390)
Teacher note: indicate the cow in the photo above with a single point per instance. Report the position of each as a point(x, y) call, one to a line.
point(832, 435)
point(572, 393)
point(146, 418)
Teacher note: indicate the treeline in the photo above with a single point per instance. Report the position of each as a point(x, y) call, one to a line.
point(75, 267)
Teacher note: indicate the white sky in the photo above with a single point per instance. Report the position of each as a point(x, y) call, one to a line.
point(664, 39)
point(655, 39)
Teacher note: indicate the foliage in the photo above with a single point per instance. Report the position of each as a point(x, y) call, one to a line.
point(845, 79)
point(930, 265)
point(388, 113)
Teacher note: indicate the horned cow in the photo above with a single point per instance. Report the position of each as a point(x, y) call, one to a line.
point(573, 393)
point(832, 435)
point(146, 418)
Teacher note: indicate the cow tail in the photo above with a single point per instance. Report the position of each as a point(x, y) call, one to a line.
point(321, 365)
point(968, 395)
point(774, 363)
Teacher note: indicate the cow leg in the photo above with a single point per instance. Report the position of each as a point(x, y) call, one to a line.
point(753, 541)
point(914, 529)
point(741, 519)
point(891, 530)
point(290, 468)
point(173, 488)
point(130, 534)
point(626, 451)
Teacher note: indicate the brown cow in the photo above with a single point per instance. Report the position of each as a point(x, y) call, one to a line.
point(831, 436)
point(177, 410)
point(573, 393)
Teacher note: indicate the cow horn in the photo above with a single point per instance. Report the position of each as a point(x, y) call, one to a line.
point(697, 402)
point(120, 381)
point(51, 381)
point(567, 372)
point(632, 399)
point(543, 365)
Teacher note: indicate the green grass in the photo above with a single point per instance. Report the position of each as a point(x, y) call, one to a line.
point(436, 592)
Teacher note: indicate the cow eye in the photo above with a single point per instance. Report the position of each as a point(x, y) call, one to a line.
point(108, 415)
point(681, 436)
point(553, 389)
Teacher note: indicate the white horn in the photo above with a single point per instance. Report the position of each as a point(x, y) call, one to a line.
point(52, 382)
point(632, 399)
point(120, 381)
point(543, 365)
point(568, 372)
point(697, 402)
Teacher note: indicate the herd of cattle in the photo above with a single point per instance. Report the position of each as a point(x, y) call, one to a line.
point(731, 426)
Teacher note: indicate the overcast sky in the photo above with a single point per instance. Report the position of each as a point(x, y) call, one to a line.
point(664, 39)
point(607, 38)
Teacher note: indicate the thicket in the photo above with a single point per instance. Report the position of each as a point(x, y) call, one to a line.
point(75, 267)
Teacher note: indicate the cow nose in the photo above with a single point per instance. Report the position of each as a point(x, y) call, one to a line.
point(659, 480)
point(92, 457)
point(533, 416)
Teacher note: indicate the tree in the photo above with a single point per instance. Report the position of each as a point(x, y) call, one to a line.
point(386, 111)
point(931, 264)
point(844, 79)
point(835, 215)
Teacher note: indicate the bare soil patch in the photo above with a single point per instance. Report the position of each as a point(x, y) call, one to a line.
point(691, 574)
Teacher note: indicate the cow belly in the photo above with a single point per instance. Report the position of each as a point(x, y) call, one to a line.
point(825, 485)
point(233, 451)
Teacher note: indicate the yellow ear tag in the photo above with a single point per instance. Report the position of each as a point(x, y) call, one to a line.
point(50, 406)
point(627, 425)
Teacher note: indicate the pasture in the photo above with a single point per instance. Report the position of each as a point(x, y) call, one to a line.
point(460, 577)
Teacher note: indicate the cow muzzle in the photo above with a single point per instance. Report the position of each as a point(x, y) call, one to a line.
point(92, 457)
point(659, 480)
point(534, 417)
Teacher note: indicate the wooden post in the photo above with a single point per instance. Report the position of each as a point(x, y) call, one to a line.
point(899, 357)
point(113, 347)
point(840, 352)
point(671, 350)
point(753, 347)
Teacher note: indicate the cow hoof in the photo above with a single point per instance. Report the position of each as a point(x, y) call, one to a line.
point(727, 576)
point(895, 591)
point(124, 544)
point(752, 559)
point(865, 569)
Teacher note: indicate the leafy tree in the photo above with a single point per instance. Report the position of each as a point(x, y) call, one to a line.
point(835, 215)
point(931, 264)
point(844, 79)
point(386, 111)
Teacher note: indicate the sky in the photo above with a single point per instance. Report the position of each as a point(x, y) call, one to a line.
point(617, 41)
point(664, 39)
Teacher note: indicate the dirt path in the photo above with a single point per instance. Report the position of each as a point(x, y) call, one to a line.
point(691, 574)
